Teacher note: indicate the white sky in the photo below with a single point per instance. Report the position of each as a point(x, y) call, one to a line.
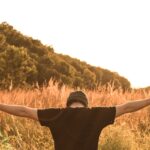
point(113, 34)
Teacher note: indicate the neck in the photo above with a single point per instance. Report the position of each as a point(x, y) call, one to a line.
point(76, 105)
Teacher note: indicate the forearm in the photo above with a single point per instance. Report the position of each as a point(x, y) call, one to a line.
point(136, 105)
point(16, 110)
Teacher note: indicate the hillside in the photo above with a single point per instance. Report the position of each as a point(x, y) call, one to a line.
point(25, 61)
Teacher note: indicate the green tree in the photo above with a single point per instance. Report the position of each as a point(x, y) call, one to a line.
point(78, 82)
point(89, 79)
point(17, 67)
point(65, 68)
point(2, 40)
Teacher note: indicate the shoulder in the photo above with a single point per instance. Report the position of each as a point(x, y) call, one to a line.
point(104, 109)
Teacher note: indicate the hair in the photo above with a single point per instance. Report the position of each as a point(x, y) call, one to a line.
point(77, 96)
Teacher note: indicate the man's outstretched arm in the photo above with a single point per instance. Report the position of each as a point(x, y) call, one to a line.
point(19, 110)
point(131, 106)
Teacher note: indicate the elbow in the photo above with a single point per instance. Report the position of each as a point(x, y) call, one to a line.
point(23, 112)
point(125, 108)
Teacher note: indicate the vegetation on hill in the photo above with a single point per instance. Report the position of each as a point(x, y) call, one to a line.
point(25, 61)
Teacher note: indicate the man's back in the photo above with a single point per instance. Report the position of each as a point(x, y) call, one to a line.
point(76, 128)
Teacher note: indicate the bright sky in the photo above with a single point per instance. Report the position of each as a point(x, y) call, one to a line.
point(113, 34)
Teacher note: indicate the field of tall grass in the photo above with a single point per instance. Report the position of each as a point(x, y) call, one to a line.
point(130, 131)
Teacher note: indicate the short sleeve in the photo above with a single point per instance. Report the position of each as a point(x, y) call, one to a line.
point(47, 116)
point(104, 115)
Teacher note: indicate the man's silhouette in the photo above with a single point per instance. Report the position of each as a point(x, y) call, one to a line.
point(76, 127)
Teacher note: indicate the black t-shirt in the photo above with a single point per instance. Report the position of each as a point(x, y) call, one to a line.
point(76, 128)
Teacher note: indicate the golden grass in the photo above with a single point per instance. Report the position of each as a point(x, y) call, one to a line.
point(130, 131)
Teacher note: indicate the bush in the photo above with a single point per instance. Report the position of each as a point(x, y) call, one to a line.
point(118, 138)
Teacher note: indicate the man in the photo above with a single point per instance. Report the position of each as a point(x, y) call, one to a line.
point(76, 127)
